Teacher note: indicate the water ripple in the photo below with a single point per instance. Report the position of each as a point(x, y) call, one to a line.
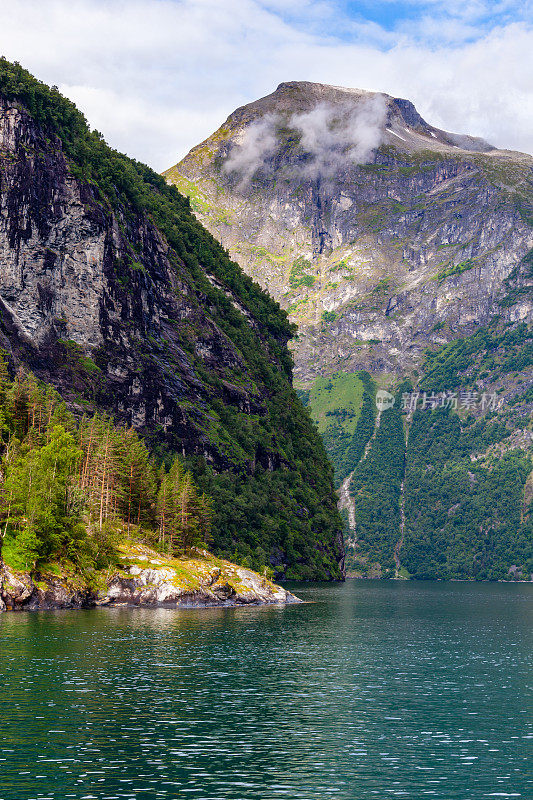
point(374, 690)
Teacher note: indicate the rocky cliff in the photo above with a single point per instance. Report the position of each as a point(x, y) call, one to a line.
point(381, 234)
point(385, 238)
point(112, 292)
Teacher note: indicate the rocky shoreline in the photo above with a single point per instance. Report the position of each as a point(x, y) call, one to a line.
point(144, 577)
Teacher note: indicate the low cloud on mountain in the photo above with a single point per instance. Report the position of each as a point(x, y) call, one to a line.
point(330, 138)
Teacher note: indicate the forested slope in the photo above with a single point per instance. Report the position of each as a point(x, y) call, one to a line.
point(446, 488)
point(113, 293)
point(72, 489)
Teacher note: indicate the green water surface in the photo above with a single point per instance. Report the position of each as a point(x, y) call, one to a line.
point(373, 690)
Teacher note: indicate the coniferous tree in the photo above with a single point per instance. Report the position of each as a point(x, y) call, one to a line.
point(64, 486)
point(38, 485)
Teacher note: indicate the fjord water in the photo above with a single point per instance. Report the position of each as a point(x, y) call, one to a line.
point(371, 690)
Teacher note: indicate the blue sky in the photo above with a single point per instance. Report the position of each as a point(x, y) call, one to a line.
point(471, 19)
point(484, 15)
point(158, 76)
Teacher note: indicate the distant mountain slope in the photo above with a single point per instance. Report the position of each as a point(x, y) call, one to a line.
point(384, 237)
point(114, 293)
point(369, 225)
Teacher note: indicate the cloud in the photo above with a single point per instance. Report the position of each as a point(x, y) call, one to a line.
point(151, 132)
point(336, 137)
point(330, 139)
point(253, 148)
point(157, 76)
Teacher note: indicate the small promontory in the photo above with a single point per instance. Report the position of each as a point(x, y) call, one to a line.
point(141, 577)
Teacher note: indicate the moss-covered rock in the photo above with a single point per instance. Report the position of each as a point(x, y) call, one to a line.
point(144, 577)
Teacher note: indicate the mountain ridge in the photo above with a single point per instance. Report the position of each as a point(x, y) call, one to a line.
point(297, 96)
point(387, 242)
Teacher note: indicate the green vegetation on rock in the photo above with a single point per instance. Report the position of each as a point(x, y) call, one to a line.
point(464, 518)
point(288, 513)
point(220, 353)
point(467, 509)
point(363, 430)
point(375, 489)
point(467, 506)
point(494, 349)
point(343, 408)
point(70, 490)
point(298, 275)
point(456, 269)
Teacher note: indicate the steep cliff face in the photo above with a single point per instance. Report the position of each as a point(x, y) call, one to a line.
point(97, 302)
point(379, 233)
point(111, 291)
point(385, 238)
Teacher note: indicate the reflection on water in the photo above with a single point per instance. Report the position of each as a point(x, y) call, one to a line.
point(373, 690)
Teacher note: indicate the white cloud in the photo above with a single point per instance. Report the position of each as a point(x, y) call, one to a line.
point(138, 129)
point(330, 138)
point(336, 136)
point(157, 76)
point(253, 151)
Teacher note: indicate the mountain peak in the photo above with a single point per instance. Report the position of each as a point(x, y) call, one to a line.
point(395, 120)
point(316, 191)
point(386, 238)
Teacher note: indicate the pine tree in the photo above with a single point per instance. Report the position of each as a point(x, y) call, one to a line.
point(205, 518)
point(187, 527)
point(164, 511)
point(64, 486)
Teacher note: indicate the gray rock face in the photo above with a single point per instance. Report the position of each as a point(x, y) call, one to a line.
point(380, 233)
point(94, 300)
point(157, 587)
point(51, 250)
point(19, 591)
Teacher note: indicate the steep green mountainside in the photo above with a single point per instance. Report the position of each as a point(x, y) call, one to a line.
point(446, 488)
point(343, 408)
point(403, 252)
point(468, 478)
point(111, 291)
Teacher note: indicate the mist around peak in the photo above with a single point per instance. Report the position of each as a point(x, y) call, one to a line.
point(329, 138)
